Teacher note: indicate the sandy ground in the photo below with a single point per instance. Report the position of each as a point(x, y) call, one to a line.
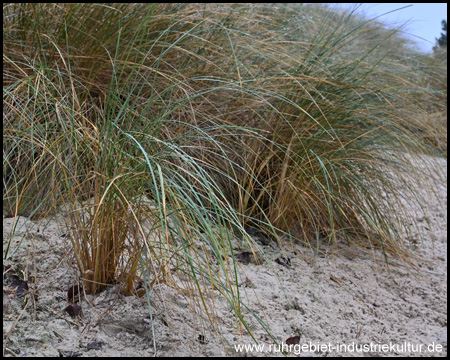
point(348, 304)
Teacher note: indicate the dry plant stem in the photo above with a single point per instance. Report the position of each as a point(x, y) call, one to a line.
point(14, 325)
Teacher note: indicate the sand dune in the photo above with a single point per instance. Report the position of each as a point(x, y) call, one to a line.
point(347, 302)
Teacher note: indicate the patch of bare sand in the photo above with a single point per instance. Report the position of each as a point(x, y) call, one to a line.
point(343, 300)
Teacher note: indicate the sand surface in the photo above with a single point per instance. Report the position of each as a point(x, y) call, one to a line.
point(342, 304)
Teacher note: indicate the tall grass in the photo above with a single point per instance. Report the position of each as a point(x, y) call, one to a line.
point(163, 129)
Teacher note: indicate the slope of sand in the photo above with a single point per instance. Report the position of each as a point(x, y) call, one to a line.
point(341, 299)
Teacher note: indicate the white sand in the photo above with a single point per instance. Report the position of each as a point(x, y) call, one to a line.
point(344, 300)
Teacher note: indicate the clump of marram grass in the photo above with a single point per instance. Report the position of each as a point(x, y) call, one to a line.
point(159, 127)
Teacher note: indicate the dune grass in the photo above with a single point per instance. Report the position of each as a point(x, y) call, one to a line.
point(162, 130)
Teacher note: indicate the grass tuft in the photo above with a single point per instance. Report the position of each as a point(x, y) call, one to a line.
point(165, 131)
